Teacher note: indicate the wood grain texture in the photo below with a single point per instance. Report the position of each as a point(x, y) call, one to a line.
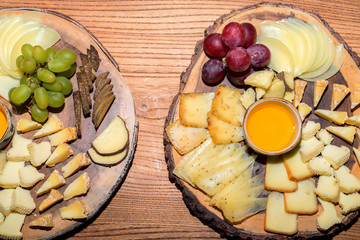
point(153, 41)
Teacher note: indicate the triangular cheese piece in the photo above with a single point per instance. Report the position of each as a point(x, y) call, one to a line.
point(55, 180)
point(357, 155)
point(310, 148)
point(319, 89)
point(346, 133)
point(53, 125)
point(248, 97)
point(354, 120)
point(78, 187)
point(338, 94)
point(63, 136)
point(44, 221)
point(336, 117)
point(76, 210)
point(304, 110)
point(26, 125)
point(78, 162)
point(355, 97)
point(54, 197)
point(60, 154)
point(299, 91)
point(260, 92)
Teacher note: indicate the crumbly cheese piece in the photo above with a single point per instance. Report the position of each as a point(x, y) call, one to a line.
point(261, 79)
point(260, 92)
point(63, 136)
point(324, 136)
point(328, 217)
point(319, 89)
point(355, 100)
point(11, 227)
point(55, 180)
point(327, 189)
point(26, 125)
point(289, 96)
point(76, 210)
point(336, 117)
point(357, 155)
point(354, 120)
point(78, 187)
point(53, 125)
point(304, 110)
point(10, 177)
point(5, 201)
point(299, 87)
point(349, 202)
point(310, 148)
point(29, 176)
point(296, 169)
point(19, 152)
point(277, 220)
point(78, 162)
point(248, 97)
point(336, 156)
point(44, 221)
point(222, 132)
point(338, 94)
point(54, 197)
point(39, 153)
point(348, 182)
point(276, 89)
point(276, 177)
point(2, 160)
point(319, 166)
point(310, 129)
point(22, 202)
point(60, 154)
point(346, 133)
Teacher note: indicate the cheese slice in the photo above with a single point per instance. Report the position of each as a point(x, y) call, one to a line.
point(2, 160)
point(22, 202)
point(19, 152)
point(355, 100)
point(248, 97)
point(260, 92)
point(348, 182)
point(354, 120)
point(328, 217)
point(78, 187)
point(222, 132)
point(29, 176)
point(338, 94)
point(277, 220)
point(11, 227)
point(310, 129)
point(39, 153)
point(357, 155)
point(310, 148)
point(76, 210)
point(5, 201)
point(55, 180)
point(44, 221)
point(296, 169)
point(54, 197)
point(324, 136)
point(78, 162)
point(327, 189)
point(63, 136)
point(336, 117)
point(26, 125)
point(10, 177)
point(299, 91)
point(304, 110)
point(346, 133)
point(336, 156)
point(60, 154)
point(349, 202)
point(319, 166)
point(107, 159)
point(53, 125)
point(276, 177)
point(319, 89)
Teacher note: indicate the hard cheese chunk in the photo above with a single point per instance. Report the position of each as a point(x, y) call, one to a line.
point(78, 162)
point(348, 182)
point(304, 110)
point(310, 148)
point(276, 177)
point(39, 153)
point(26, 125)
point(44, 221)
point(60, 154)
point(55, 180)
point(310, 129)
point(22, 202)
point(336, 156)
point(349, 202)
point(29, 176)
point(78, 187)
point(63, 136)
point(53, 125)
point(354, 120)
point(19, 152)
point(319, 166)
point(324, 136)
point(54, 197)
point(346, 133)
point(328, 217)
point(248, 97)
point(319, 89)
point(222, 132)
point(296, 169)
point(6, 200)
point(327, 189)
point(11, 227)
point(336, 117)
point(76, 210)
point(10, 177)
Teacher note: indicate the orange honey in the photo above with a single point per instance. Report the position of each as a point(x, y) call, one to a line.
point(3, 123)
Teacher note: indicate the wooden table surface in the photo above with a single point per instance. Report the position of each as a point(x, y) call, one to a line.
point(153, 41)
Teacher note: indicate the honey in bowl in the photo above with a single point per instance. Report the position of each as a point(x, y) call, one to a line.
point(272, 126)
point(3, 123)
point(7, 128)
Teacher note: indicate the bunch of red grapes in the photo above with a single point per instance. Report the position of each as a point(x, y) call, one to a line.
point(237, 45)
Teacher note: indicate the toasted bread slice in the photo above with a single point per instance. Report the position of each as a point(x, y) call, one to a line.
point(328, 189)
point(248, 97)
point(328, 217)
point(222, 132)
point(319, 89)
point(355, 100)
point(296, 169)
point(336, 156)
point(338, 94)
point(303, 200)
point(310, 129)
point(299, 88)
point(304, 110)
point(324, 136)
point(336, 117)
point(348, 182)
point(346, 133)
point(6, 201)
point(354, 120)
point(26, 125)
point(276, 176)
point(261, 79)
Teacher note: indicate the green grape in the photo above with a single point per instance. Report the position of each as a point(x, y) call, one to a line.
point(20, 94)
point(41, 97)
point(39, 54)
point(26, 50)
point(33, 86)
point(67, 85)
point(28, 65)
point(10, 92)
point(67, 55)
point(56, 99)
point(19, 59)
point(54, 86)
point(58, 65)
point(39, 115)
point(50, 53)
point(68, 73)
point(45, 75)
point(24, 80)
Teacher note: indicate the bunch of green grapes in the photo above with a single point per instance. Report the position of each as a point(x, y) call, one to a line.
point(45, 82)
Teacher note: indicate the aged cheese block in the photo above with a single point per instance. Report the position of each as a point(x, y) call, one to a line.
point(328, 217)
point(10, 177)
point(22, 202)
point(54, 197)
point(29, 176)
point(11, 227)
point(60, 154)
point(26, 125)
point(355, 100)
point(276, 177)
point(75, 210)
point(44, 221)
point(6, 200)
point(63, 136)
point(55, 180)
point(53, 125)
point(75, 164)
point(78, 187)
point(39, 153)
point(299, 87)
point(338, 94)
point(19, 152)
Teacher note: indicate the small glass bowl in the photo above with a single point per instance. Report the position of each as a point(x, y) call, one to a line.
point(294, 114)
point(10, 129)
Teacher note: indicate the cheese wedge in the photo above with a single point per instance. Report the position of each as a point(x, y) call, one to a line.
point(289, 96)
point(310, 148)
point(357, 155)
point(277, 220)
point(346, 133)
point(54, 197)
point(222, 132)
point(10, 228)
point(76, 210)
point(78, 162)
point(2, 160)
point(348, 182)
point(53, 125)
point(26, 125)
point(6, 200)
point(319, 166)
point(296, 169)
point(349, 202)
point(336, 156)
point(19, 152)
point(260, 92)
point(277, 89)
point(248, 97)
point(299, 87)
point(78, 187)
point(39, 153)
point(355, 99)
point(338, 94)
point(22, 202)
point(60, 154)
point(29, 176)
point(310, 129)
point(354, 120)
point(304, 110)
point(324, 136)
point(193, 109)
point(319, 89)
point(55, 180)
point(336, 117)
point(303, 200)
point(328, 217)
point(10, 177)
point(327, 189)
point(261, 79)
point(276, 177)
point(63, 136)
point(45, 221)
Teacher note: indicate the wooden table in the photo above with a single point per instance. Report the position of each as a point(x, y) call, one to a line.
point(153, 41)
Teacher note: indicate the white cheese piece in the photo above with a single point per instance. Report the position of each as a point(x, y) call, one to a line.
point(324, 136)
point(349, 202)
point(10, 228)
point(19, 152)
point(276, 177)
point(10, 177)
point(336, 156)
point(310, 148)
point(5, 201)
point(60, 154)
point(327, 189)
point(55, 180)
point(348, 182)
point(53, 125)
point(76, 210)
point(39, 153)
point(319, 166)
point(75, 164)
point(29, 176)
point(328, 217)
point(22, 202)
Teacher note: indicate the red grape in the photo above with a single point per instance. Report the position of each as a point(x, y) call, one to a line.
point(237, 78)
point(214, 47)
point(233, 35)
point(251, 34)
point(260, 55)
point(238, 59)
point(213, 71)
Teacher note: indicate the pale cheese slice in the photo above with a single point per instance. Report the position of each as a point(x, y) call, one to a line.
point(276, 176)
point(63, 136)
point(54, 197)
point(2, 160)
point(39, 153)
point(6, 200)
point(222, 132)
point(346, 133)
point(338, 94)
point(349, 202)
point(22, 202)
point(10, 177)
point(299, 88)
point(29, 176)
point(75, 164)
point(328, 217)
point(319, 166)
point(260, 92)
point(328, 189)
point(76, 210)
point(310, 129)
point(53, 125)
point(277, 220)
point(19, 152)
point(348, 182)
point(45, 221)
point(248, 97)
point(296, 169)
point(11, 227)
point(2, 217)
point(353, 120)
point(60, 154)
point(304, 110)
point(261, 79)
point(289, 96)
point(107, 159)
point(78, 187)
point(336, 117)
point(55, 180)
point(319, 89)
point(336, 156)
point(357, 155)
point(324, 136)
point(355, 100)
point(310, 148)
point(26, 125)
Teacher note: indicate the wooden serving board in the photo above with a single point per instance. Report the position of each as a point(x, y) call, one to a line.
point(105, 181)
point(191, 82)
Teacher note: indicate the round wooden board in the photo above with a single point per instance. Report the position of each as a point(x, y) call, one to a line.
point(191, 82)
point(105, 181)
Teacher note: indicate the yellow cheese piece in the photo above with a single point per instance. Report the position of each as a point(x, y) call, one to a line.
point(63, 136)
point(11, 227)
point(22, 202)
point(277, 89)
point(346, 133)
point(357, 134)
point(2, 160)
point(78, 162)
point(10, 177)
point(310, 129)
point(355, 97)
point(277, 220)
point(60, 154)
point(53, 125)
point(348, 182)
point(261, 79)
point(78, 187)
point(328, 217)
point(336, 156)
point(289, 96)
point(260, 92)
point(304, 110)
point(26, 125)
point(338, 94)
point(276, 176)
point(248, 97)
point(29, 176)
point(55, 180)
point(357, 155)
point(296, 169)
point(336, 117)
point(327, 189)
point(299, 87)
point(222, 132)
point(44, 221)
point(319, 166)
point(19, 152)
point(303, 200)
point(2, 217)
point(76, 210)
point(54, 197)
point(310, 148)
point(319, 89)
point(354, 120)
point(324, 136)
point(39, 153)
point(5, 201)
point(349, 202)
point(107, 159)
